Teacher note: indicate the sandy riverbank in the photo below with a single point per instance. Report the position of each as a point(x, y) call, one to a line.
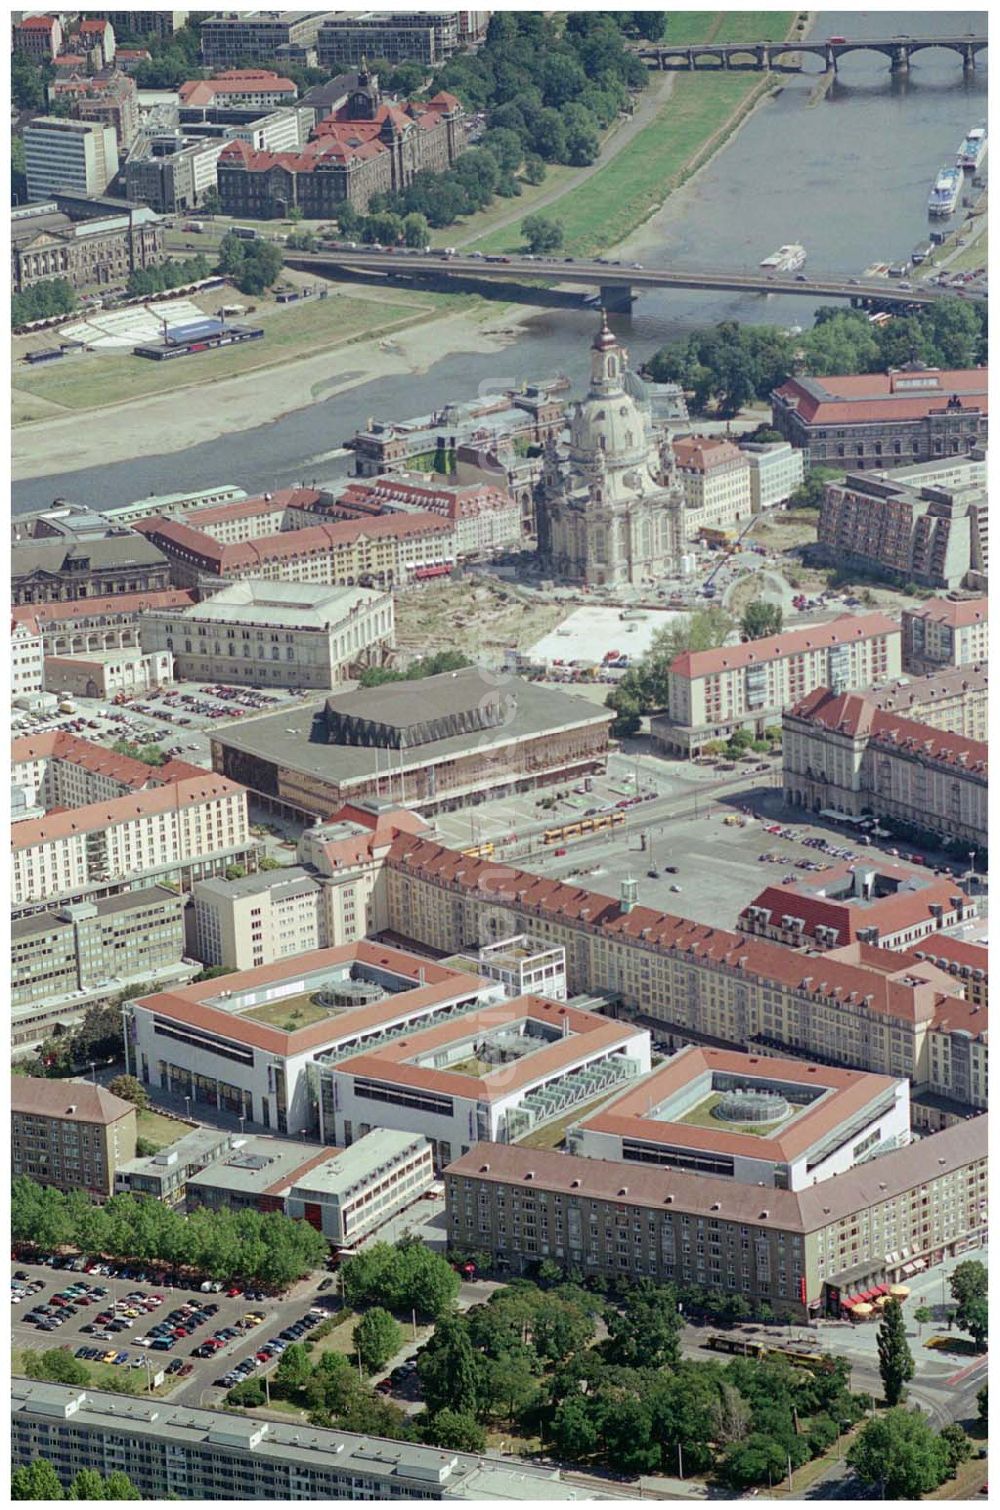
point(187, 418)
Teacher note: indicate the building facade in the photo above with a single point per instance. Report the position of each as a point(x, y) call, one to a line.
point(69, 1134)
point(257, 919)
point(107, 98)
point(88, 624)
point(277, 634)
point(924, 533)
point(361, 1188)
point(804, 1252)
point(486, 517)
point(163, 1176)
point(776, 471)
point(57, 571)
point(40, 37)
point(712, 693)
point(65, 154)
point(841, 752)
point(877, 420)
point(429, 37)
point(103, 246)
point(714, 476)
point(27, 656)
point(175, 173)
point(614, 514)
point(946, 632)
point(234, 37)
point(105, 673)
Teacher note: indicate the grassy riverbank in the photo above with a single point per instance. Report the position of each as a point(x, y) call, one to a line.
point(700, 113)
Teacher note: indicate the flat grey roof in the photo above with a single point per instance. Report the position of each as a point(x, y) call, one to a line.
point(291, 881)
point(125, 901)
point(284, 605)
point(296, 738)
point(358, 1163)
point(253, 1165)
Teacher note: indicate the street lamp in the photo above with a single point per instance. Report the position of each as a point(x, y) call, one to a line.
point(187, 1107)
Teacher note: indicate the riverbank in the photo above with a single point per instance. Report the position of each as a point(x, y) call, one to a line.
point(174, 420)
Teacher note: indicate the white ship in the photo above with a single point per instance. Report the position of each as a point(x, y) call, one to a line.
point(787, 259)
point(944, 196)
point(973, 149)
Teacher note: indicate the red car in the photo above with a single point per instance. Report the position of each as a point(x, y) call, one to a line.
point(233, 1291)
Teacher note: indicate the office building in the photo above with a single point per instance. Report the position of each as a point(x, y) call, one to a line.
point(364, 148)
point(714, 476)
point(176, 1451)
point(712, 693)
point(40, 37)
point(497, 1073)
point(173, 172)
point(428, 744)
point(61, 770)
point(897, 526)
point(775, 472)
point(857, 1006)
point(65, 154)
point(946, 632)
point(285, 634)
point(778, 1124)
point(356, 1192)
point(805, 1252)
point(253, 1174)
point(108, 98)
point(843, 753)
point(524, 966)
point(257, 919)
point(65, 960)
point(347, 38)
point(238, 89)
point(145, 23)
point(874, 900)
point(876, 420)
point(384, 552)
point(235, 37)
point(163, 1176)
point(55, 571)
point(85, 242)
point(251, 1043)
point(69, 1134)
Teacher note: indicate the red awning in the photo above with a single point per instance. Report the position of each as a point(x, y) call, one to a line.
point(881, 1290)
point(852, 1300)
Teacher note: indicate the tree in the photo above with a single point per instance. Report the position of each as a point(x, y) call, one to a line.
point(29, 81)
point(534, 169)
point(957, 1446)
point(129, 1088)
point(922, 1315)
point(731, 1416)
point(969, 1286)
point(416, 231)
point(232, 255)
point(118, 1486)
point(974, 1318)
point(56, 1364)
point(235, 872)
point(451, 1373)
point(39, 1480)
point(574, 1428)
point(645, 1332)
point(758, 1460)
point(541, 234)
point(87, 1485)
point(760, 619)
point(983, 1405)
point(293, 1371)
point(376, 1338)
point(895, 1361)
point(455, 1429)
point(900, 1452)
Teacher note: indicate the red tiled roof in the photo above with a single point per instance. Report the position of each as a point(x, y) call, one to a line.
point(962, 952)
point(57, 744)
point(854, 715)
point(314, 539)
point(905, 992)
point(953, 1014)
point(705, 453)
point(909, 907)
point(958, 612)
point(883, 396)
point(310, 157)
point(206, 787)
point(37, 23)
point(247, 81)
point(848, 629)
point(126, 602)
point(247, 508)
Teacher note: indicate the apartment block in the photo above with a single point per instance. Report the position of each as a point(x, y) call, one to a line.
point(806, 1252)
point(175, 1451)
point(955, 700)
point(946, 632)
point(858, 1006)
point(359, 1189)
point(712, 693)
point(64, 154)
point(69, 1134)
point(843, 753)
point(895, 525)
point(714, 476)
point(233, 38)
point(178, 832)
point(347, 38)
point(876, 420)
point(284, 634)
point(776, 471)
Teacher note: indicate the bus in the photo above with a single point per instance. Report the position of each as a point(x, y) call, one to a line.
point(745, 1347)
point(597, 823)
point(480, 851)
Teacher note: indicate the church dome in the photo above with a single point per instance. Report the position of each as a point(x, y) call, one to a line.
point(608, 423)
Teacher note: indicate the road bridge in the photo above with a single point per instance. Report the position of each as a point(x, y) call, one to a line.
point(787, 56)
point(615, 282)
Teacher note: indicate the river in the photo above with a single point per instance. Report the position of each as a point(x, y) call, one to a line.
point(848, 177)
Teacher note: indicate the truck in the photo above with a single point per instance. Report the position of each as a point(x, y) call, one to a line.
point(246, 233)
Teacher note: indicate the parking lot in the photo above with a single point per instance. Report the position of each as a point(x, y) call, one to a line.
point(128, 1321)
point(179, 718)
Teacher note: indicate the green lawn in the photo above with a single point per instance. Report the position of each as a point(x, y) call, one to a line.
point(159, 1129)
point(296, 331)
point(105, 1375)
point(290, 1016)
point(702, 1116)
point(603, 210)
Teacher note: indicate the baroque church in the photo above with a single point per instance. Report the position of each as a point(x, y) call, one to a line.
point(613, 514)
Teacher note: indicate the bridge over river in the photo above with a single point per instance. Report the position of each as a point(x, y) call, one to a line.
point(614, 281)
point(787, 56)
